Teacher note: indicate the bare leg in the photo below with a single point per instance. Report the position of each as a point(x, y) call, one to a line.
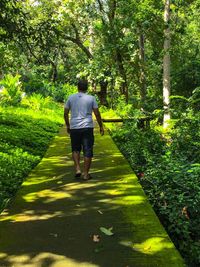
point(76, 158)
point(87, 164)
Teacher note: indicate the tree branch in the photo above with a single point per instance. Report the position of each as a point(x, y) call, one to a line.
point(112, 11)
point(78, 42)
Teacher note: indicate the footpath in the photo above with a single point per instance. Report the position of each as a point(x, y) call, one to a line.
point(57, 221)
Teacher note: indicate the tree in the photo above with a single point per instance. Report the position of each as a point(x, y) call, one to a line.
point(118, 44)
point(166, 64)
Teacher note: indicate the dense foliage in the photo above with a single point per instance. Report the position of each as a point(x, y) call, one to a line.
point(118, 44)
point(168, 166)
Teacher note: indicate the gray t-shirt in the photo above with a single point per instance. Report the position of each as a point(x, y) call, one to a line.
point(81, 106)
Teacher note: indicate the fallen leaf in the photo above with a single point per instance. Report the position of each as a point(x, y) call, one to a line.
point(107, 231)
point(100, 212)
point(54, 235)
point(96, 238)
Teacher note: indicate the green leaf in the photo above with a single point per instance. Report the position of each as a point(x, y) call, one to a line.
point(106, 231)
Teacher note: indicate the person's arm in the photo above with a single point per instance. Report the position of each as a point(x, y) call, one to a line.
point(99, 120)
point(66, 117)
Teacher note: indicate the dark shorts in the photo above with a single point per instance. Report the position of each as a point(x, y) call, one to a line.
point(82, 139)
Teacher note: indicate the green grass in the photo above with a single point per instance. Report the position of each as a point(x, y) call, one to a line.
point(25, 134)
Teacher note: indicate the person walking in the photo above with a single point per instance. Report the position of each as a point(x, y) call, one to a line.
point(81, 125)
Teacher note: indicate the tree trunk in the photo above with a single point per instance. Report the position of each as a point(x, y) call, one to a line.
point(103, 93)
point(166, 65)
point(114, 39)
point(124, 87)
point(143, 86)
point(91, 50)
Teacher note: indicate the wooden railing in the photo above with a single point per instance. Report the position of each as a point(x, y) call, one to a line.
point(142, 123)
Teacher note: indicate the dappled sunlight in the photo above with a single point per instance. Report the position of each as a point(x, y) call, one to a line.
point(105, 200)
point(75, 186)
point(61, 138)
point(43, 259)
point(35, 181)
point(49, 195)
point(106, 151)
point(130, 200)
point(111, 192)
point(60, 215)
point(30, 215)
point(110, 168)
point(117, 190)
point(153, 245)
point(57, 160)
point(39, 180)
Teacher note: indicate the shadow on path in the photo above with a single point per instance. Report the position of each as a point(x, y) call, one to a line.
point(53, 218)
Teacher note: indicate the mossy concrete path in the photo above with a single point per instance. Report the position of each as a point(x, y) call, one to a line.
point(55, 220)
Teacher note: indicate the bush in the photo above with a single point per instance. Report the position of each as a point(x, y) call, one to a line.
point(14, 166)
point(169, 171)
point(194, 100)
point(35, 85)
point(186, 137)
point(10, 92)
point(60, 93)
point(139, 146)
point(36, 101)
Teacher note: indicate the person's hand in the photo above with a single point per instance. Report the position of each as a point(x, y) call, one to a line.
point(68, 130)
point(101, 130)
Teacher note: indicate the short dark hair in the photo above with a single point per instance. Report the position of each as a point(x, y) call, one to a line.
point(82, 85)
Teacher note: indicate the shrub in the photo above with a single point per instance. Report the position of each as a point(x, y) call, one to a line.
point(14, 166)
point(194, 100)
point(186, 137)
point(36, 101)
point(169, 171)
point(34, 85)
point(61, 92)
point(10, 92)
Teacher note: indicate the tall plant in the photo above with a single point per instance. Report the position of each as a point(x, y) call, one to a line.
point(11, 90)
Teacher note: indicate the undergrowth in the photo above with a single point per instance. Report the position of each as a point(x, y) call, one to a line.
point(169, 171)
point(25, 134)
